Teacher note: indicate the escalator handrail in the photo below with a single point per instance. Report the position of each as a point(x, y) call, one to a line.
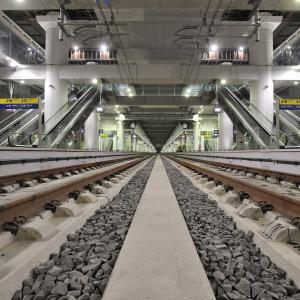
point(21, 129)
point(9, 117)
point(59, 115)
point(263, 117)
point(241, 117)
point(24, 115)
point(74, 119)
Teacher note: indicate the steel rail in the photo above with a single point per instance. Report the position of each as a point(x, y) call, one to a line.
point(282, 203)
point(30, 204)
point(256, 171)
point(11, 179)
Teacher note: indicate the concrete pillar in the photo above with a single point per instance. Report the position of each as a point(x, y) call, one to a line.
point(225, 141)
point(56, 90)
point(91, 131)
point(261, 54)
point(196, 135)
point(120, 134)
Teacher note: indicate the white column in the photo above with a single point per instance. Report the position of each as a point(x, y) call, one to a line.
point(196, 135)
point(56, 90)
point(261, 54)
point(120, 134)
point(225, 141)
point(91, 131)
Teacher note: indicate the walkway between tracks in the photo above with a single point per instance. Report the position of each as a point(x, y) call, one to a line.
point(158, 260)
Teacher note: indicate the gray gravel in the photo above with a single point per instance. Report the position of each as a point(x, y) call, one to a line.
point(235, 266)
point(84, 263)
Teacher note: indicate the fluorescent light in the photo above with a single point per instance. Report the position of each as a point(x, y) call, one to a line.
point(100, 109)
point(296, 82)
point(214, 47)
point(217, 109)
point(22, 81)
point(29, 49)
point(241, 48)
point(94, 80)
point(289, 47)
point(76, 48)
point(117, 106)
point(223, 81)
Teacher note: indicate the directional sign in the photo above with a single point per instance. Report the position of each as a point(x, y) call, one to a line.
point(19, 103)
point(289, 104)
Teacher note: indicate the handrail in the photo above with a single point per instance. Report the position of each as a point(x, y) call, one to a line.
point(10, 116)
point(71, 124)
point(27, 113)
point(248, 127)
point(270, 130)
point(269, 122)
point(57, 113)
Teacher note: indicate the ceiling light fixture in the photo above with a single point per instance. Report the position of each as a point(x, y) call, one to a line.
point(241, 48)
point(22, 81)
point(76, 48)
point(214, 47)
point(223, 81)
point(117, 106)
point(296, 82)
point(103, 47)
point(94, 80)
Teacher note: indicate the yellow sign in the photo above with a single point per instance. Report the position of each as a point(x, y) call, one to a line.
point(19, 101)
point(289, 101)
point(289, 104)
point(104, 135)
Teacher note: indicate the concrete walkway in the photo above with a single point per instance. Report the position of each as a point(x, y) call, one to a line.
point(158, 260)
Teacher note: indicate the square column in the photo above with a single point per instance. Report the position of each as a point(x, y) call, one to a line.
point(56, 90)
point(261, 54)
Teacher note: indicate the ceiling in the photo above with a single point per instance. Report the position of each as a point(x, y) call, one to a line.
point(156, 32)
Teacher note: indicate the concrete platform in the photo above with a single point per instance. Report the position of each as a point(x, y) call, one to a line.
point(158, 259)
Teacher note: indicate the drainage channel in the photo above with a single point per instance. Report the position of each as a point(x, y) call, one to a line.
point(85, 261)
point(234, 264)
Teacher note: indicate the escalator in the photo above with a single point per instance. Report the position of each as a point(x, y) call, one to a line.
point(69, 118)
point(17, 123)
point(289, 120)
point(248, 119)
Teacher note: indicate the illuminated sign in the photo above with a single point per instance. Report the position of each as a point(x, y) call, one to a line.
point(289, 104)
point(19, 103)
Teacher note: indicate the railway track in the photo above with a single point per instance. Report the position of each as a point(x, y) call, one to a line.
point(29, 201)
point(256, 171)
point(37, 175)
point(286, 202)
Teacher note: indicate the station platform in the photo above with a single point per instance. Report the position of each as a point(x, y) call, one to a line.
point(158, 259)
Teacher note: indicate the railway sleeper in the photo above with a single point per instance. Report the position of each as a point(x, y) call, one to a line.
point(282, 230)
